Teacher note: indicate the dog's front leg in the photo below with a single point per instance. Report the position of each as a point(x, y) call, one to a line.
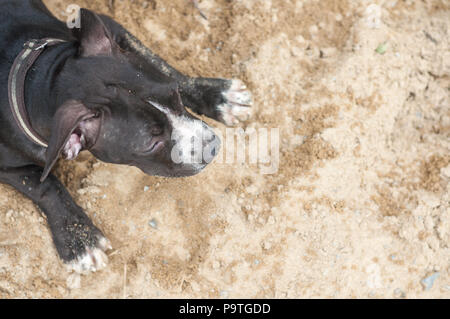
point(227, 101)
point(79, 243)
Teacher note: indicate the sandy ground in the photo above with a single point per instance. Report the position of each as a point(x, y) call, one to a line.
point(360, 206)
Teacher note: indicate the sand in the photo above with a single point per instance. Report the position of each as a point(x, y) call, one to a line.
point(360, 205)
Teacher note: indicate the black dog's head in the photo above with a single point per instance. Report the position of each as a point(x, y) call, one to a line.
point(125, 111)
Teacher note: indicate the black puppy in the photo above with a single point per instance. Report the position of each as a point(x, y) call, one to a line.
point(96, 88)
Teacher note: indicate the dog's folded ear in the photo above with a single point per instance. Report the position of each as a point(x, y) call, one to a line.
point(93, 35)
point(65, 121)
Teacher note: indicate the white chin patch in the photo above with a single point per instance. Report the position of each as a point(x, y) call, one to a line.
point(94, 259)
point(73, 146)
point(237, 107)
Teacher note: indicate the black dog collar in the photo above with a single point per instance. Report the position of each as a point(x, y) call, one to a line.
point(16, 84)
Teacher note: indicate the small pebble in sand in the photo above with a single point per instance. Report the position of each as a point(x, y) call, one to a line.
point(9, 214)
point(153, 223)
point(381, 49)
point(146, 188)
point(428, 282)
point(73, 281)
point(313, 29)
point(398, 293)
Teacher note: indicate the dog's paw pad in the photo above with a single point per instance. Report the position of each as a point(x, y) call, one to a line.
point(237, 106)
point(93, 259)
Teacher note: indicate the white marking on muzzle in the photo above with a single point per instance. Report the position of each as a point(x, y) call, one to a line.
point(189, 136)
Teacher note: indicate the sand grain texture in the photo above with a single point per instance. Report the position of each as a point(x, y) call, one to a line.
point(360, 206)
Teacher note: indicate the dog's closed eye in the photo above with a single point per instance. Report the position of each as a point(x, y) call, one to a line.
point(156, 130)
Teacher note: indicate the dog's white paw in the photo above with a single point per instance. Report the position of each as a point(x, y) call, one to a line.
point(237, 107)
point(93, 259)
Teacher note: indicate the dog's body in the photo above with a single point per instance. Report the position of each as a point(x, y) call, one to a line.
point(99, 90)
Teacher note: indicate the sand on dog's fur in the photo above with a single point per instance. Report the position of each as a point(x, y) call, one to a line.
point(360, 204)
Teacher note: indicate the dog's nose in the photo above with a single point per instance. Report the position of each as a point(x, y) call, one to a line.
point(211, 145)
point(195, 144)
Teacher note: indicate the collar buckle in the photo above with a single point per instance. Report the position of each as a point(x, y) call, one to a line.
point(37, 45)
point(42, 46)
